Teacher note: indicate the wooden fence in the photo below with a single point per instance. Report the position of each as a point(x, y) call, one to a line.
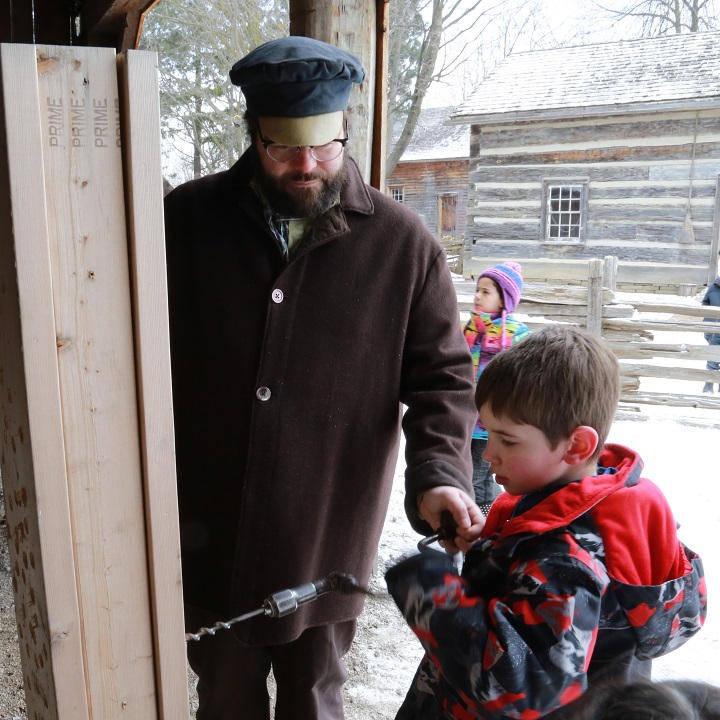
point(631, 326)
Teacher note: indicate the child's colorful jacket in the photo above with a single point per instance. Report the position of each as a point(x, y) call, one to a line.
point(589, 573)
point(486, 335)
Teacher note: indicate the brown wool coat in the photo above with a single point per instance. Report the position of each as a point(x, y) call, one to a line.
point(279, 491)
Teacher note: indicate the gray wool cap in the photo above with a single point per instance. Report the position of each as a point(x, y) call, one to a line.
point(296, 77)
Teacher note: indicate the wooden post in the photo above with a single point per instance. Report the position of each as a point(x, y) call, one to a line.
point(87, 456)
point(34, 465)
point(610, 272)
point(350, 26)
point(595, 302)
point(378, 140)
point(144, 192)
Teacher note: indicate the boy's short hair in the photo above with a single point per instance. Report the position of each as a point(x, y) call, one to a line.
point(556, 379)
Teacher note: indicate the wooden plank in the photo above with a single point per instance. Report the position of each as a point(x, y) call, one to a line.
point(702, 170)
point(141, 138)
point(530, 172)
point(701, 189)
point(677, 309)
point(624, 153)
point(576, 270)
point(671, 373)
point(654, 325)
point(495, 192)
point(696, 401)
point(93, 316)
point(558, 310)
point(611, 230)
point(560, 295)
point(645, 351)
point(33, 454)
point(681, 125)
point(378, 169)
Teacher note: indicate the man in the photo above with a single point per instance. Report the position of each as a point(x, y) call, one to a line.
point(305, 307)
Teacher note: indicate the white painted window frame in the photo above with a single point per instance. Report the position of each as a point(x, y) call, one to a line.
point(570, 217)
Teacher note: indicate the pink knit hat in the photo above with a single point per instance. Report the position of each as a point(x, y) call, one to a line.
point(508, 276)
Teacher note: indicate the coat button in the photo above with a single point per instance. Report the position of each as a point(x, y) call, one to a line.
point(263, 393)
point(277, 296)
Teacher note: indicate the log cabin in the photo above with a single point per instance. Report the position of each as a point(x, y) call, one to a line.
point(432, 175)
point(598, 150)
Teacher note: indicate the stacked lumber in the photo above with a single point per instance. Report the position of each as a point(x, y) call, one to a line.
point(88, 447)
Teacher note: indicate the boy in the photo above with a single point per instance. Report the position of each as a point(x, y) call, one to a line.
point(578, 574)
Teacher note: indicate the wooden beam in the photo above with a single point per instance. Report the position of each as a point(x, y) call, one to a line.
point(92, 304)
point(350, 26)
point(88, 447)
point(144, 192)
point(378, 170)
point(114, 23)
point(34, 464)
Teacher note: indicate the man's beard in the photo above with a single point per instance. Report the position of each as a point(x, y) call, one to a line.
point(310, 202)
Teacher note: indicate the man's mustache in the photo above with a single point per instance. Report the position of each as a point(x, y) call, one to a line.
point(304, 177)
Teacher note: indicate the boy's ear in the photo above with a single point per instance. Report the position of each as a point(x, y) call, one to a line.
point(581, 445)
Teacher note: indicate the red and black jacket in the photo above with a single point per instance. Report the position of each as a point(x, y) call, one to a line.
point(560, 586)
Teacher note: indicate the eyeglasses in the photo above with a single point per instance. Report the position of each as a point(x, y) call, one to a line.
point(287, 153)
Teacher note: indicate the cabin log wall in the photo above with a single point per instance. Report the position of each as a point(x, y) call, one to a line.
point(423, 182)
point(639, 172)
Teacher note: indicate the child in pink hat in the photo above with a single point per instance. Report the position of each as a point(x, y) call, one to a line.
point(491, 329)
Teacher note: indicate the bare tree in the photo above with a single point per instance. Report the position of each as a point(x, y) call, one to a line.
point(457, 43)
point(419, 31)
point(665, 17)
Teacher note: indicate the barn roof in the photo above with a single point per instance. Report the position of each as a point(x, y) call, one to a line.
point(434, 140)
point(672, 72)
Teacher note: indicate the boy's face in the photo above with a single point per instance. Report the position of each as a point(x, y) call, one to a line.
point(521, 457)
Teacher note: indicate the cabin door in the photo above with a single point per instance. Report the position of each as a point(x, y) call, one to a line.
point(447, 206)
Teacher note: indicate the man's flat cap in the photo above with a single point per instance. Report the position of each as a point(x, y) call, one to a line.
point(296, 77)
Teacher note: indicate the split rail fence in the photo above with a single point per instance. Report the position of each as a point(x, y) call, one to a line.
point(630, 327)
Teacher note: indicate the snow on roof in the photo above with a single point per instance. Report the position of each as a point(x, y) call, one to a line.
point(630, 72)
point(433, 140)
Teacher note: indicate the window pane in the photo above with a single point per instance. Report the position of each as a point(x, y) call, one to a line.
point(564, 208)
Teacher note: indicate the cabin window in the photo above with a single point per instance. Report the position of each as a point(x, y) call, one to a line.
point(397, 193)
point(564, 211)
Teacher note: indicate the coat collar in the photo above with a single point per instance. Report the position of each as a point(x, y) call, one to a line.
point(571, 501)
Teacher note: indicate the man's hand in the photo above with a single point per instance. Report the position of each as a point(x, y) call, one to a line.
point(466, 514)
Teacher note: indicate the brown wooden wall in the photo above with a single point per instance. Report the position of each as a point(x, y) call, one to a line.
point(638, 169)
point(424, 181)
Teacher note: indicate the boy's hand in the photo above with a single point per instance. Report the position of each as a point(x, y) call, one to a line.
point(466, 514)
